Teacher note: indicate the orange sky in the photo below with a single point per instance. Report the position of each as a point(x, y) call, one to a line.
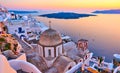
point(61, 4)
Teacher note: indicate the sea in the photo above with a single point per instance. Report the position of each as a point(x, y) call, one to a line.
point(102, 32)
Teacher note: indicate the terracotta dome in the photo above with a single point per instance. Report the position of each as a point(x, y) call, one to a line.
point(50, 37)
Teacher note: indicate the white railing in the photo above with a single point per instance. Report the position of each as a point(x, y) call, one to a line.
point(27, 43)
point(76, 67)
point(117, 69)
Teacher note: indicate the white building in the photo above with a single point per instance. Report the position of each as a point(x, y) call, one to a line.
point(12, 66)
point(4, 15)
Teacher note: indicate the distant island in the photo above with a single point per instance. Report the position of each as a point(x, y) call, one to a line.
point(66, 15)
point(22, 12)
point(115, 11)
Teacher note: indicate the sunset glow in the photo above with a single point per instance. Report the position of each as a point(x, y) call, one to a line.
point(60, 36)
point(61, 4)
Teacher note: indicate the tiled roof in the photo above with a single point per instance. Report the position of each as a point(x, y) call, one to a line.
point(62, 63)
point(39, 62)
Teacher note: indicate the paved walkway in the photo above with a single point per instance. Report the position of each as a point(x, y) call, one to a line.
point(32, 56)
point(27, 49)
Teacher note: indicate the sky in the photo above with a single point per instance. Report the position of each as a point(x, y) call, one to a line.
point(86, 5)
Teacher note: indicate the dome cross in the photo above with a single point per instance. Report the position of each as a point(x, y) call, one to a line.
point(49, 24)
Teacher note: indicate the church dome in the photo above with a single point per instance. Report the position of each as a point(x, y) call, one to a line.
point(50, 37)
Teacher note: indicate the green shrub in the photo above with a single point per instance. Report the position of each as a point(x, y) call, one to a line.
point(2, 40)
point(0, 45)
point(7, 46)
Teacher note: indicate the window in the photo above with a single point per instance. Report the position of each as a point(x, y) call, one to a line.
point(59, 50)
point(49, 52)
point(80, 60)
point(69, 68)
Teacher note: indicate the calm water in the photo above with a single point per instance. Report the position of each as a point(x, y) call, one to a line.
point(102, 31)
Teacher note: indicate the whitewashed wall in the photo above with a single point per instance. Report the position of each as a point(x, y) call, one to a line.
point(47, 51)
point(5, 66)
point(59, 49)
point(25, 66)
